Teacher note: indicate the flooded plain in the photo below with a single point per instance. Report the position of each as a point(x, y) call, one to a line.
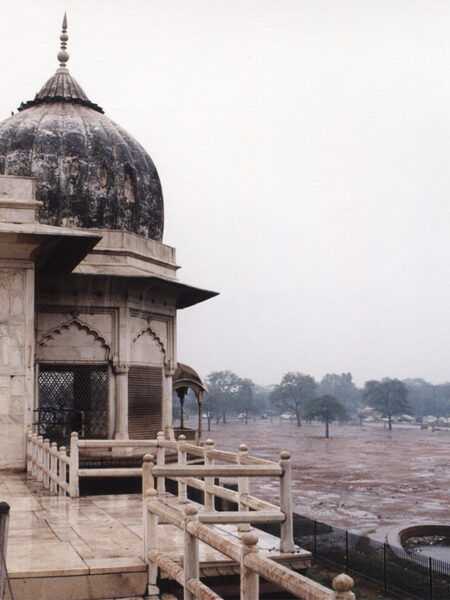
point(365, 479)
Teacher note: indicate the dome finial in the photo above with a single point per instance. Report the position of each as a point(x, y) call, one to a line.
point(63, 55)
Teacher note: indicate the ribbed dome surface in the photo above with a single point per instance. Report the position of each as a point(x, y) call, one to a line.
point(89, 171)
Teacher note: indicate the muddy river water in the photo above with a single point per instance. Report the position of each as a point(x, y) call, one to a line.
point(365, 479)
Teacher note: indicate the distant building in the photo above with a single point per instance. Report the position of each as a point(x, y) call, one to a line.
point(88, 292)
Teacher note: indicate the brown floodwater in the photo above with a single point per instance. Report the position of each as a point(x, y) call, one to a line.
point(365, 479)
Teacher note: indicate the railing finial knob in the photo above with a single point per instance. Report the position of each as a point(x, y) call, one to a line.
point(249, 538)
point(343, 584)
point(190, 510)
point(285, 455)
point(148, 458)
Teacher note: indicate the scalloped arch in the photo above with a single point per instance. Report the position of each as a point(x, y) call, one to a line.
point(65, 326)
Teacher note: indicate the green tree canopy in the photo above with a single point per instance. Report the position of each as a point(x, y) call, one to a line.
point(388, 396)
point(326, 409)
point(292, 393)
point(223, 391)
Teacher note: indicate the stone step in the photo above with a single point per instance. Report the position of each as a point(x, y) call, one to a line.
point(100, 586)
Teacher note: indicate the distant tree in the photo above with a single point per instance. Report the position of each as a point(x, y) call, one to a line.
point(341, 387)
point(428, 399)
point(388, 396)
point(292, 393)
point(261, 395)
point(223, 388)
point(245, 397)
point(326, 409)
point(442, 399)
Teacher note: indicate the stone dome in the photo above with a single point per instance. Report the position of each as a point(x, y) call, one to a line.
point(89, 172)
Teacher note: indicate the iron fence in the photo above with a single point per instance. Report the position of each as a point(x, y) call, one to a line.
point(414, 575)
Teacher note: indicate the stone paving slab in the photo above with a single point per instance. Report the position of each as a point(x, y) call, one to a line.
point(92, 547)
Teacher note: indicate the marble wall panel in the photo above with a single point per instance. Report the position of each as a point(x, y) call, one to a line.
point(16, 361)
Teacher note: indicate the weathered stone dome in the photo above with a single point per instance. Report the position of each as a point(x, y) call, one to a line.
point(89, 171)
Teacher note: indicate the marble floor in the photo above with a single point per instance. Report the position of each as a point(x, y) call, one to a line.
point(60, 538)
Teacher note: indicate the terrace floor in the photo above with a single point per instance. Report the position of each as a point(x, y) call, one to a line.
point(91, 547)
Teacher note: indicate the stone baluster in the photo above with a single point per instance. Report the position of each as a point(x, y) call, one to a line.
point(287, 533)
point(29, 451)
point(74, 482)
point(34, 454)
point(54, 468)
point(191, 556)
point(46, 462)
point(243, 487)
point(160, 461)
point(249, 579)
point(209, 481)
point(40, 458)
point(182, 487)
point(342, 585)
point(62, 470)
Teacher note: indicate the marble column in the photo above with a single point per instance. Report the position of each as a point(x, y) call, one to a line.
point(121, 402)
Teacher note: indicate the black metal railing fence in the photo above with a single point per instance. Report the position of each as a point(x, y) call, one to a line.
point(417, 576)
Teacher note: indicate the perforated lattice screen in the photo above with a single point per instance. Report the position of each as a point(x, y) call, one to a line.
point(144, 402)
point(73, 398)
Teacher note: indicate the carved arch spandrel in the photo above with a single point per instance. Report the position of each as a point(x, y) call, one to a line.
point(147, 330)
point(64, 327)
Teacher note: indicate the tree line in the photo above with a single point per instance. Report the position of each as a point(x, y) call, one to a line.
point(334, 398)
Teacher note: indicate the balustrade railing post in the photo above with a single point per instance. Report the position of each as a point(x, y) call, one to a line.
point(150, 525)
point(46, 461)
point(182, 487)
point(4, 525)
point(342, 585)
point(148, 482)
point(243, 488)
point(191, 556)
point(249, 579)
point(74, 483)
point(160, 461)
point(53, 468)
point(34, 454)
point(40, 458)
point(62, 470)
point(287, 533)
point(209, 481)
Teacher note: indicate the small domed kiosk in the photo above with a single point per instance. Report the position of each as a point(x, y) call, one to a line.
point(88, 292)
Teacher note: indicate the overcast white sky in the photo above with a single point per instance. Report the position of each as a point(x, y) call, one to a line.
point(304, 152)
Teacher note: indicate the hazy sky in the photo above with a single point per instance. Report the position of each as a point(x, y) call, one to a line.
point(304, 150)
